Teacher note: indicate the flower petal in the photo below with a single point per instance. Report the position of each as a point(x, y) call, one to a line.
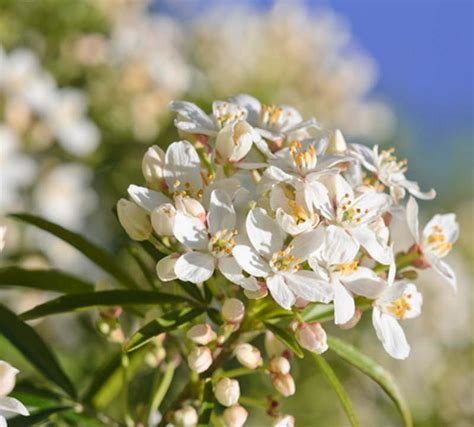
point(165, 268)
point(344, 306)
point(280, 291)
point(232, 271)
point(221, 214)
point(364, 282)
point(264, 232)
point(145, 198)
point(412, 218)
point(195, 267)
point(376, 249)
point(183, 167)
point(190, 231)
point(308, 285)
point(445, 271)
point(339, 246)
point(9, 404)
point(391, 334)
point(191, 118)
point(308, 243)
point(250, 261)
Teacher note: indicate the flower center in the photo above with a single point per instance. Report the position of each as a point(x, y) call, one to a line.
point(222, 242)
point(304, 160)
point(227, 113)
point(270, 114)
point(347, 268)
point(298, 212)
point(186, 189)
point(284, 261)
point(348, 213)
point(436, 241)
point(400, 306)
point(388, 164)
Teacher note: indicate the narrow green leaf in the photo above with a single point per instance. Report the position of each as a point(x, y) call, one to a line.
point(170, 321)
point(334, 382)
point(372, 369)
point(285, 338)
point(318, 313)
point(74, 302)
point(36, 417)
point(48, 280)
point(31, 345)
point(207, 405)
point(96, 254)
point(191, 289)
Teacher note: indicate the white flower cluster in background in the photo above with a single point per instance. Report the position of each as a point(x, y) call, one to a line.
point(282, 208)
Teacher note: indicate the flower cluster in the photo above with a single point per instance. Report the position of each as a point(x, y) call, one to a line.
point(291, 214)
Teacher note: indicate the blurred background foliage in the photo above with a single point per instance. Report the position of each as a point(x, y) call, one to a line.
point(84, 88)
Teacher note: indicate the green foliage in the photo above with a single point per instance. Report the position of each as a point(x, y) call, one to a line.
point(285, 338)
point(36, 417)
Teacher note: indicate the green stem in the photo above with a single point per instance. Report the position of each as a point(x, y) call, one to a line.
point(403, 261)
point(163, 387)
point(253, 402)
point(125, 364)
point(238, 372)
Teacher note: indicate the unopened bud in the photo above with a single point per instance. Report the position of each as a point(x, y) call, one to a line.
point(134, 220)
point(153, 167)
point(284, 421)
point(410, 274)
point(200, 359)
point(233, 310)
point(234, 141)
point(201, 334)
point(187, 416)
point(312, 337)
point(262, 292)
point(7, 378)
point(235, 416)
point(227, 391)
point(3, 232)
point(354, 321)
point(162, 219)
point(279, 365)
point(248, 355)
point(165, 268)
point(284, 383)
point(273, 346)
point(337, 143)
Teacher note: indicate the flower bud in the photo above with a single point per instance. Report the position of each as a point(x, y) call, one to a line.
point(162, 219)
point(233, 310)
point(354, 321)
point(3, 232)
point(273, 346)
point(200, 359)
point(262, 292)
point(234, 141)
point(337, 143)
point(153, 167)
point(312, 337)
point(227, 391)
point(248, 355)
point(190, 207)
point(165, 267)
point(284, 421)
point(279, 365)
point(134, 220)
point(7, 378)
point(235, 416)
point(284, 383)
point(187, 416)
point(201, 334)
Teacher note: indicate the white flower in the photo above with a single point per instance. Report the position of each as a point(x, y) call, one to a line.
point(279, 365)
point(3, 232)
point(437, 239)
point(200, 359)
point(235, 416)
point(284, 383)
point(209, 244)
point(312, 337)
point(234, 141)
point(233, 310)
point(248, 355)
point(201, 334)
point(134, 220)
point(398, 301)
point(275, 122)
point(390, 172)
point(187, 416)
point(284, 421)
point(162, 219)
point(227, 391)
point(9, 405)
point(280, 266)
point(153, 168)
point(356, 214)
point(336, 264)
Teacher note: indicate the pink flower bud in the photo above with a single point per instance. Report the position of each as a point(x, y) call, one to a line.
point(312, 337)
point(200, 359)
point(279, 365)
point(284, 383)
point(227, 391)
point(284, 421)
point(187, 416)
point(235, 416)
point(233, 310)
point(201, 334)
point(248, 355)
point(354, 321)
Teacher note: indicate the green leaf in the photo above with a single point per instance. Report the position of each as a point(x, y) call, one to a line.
point(96, 254)
point(169, 322)
point(36, 417)
point(74, 302)
point(48, 280)
point(191, 289)
point(337, 387)
point(318, 313)
point(207, 405)
point(372, 369)
point(31, 345)
point(285, 338)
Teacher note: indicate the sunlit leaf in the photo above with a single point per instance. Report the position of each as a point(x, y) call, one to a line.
point(31, 345)
point(334, 382)
point(96, 254)
point(285, 338)
point(372, 369)
point(75, 302)
point(48, 280)
point(168, 322)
